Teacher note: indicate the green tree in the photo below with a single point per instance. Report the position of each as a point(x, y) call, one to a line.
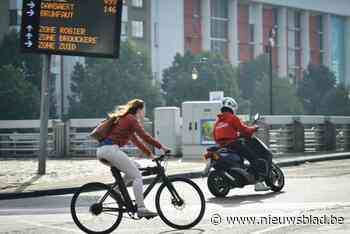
point(250, 73)
point(102, 84)
point(10, 55)
point(254, 82)
point(336, 102)
point(213, 74)
point(20, 99)
point(318, 81)
point(285, 99)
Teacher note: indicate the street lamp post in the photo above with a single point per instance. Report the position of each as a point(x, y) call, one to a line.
point(195, 73)
point(271, 44)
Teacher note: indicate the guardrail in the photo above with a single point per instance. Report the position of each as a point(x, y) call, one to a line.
point(78, 142)
point(305, 134)
point(283, 134)
point(21, 138)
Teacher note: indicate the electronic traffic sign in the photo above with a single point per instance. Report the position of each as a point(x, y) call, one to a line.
point(72, 27)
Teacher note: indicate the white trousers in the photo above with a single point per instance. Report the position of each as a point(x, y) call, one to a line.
point(120, 160)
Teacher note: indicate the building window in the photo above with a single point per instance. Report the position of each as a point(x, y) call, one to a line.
point(196, 14)
point(137, 29)
point(219, 9)
point(137, 3)
point(297, 20)
point(294, 43)
point(219, 26)
point(251, 32)
point(218, 46)
point(338, 30)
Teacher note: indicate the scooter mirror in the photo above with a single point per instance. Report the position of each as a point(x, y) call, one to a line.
point(256, 117)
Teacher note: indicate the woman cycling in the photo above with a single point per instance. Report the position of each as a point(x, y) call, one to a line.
point(125, 128)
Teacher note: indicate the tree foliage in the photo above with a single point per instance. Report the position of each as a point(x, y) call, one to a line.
point(102, 84)
point(317, 82)
point(213, 74)
point(20, 99)
point(31, 64)
point(254, 82)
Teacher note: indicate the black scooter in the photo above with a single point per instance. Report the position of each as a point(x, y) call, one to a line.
point(227, 170)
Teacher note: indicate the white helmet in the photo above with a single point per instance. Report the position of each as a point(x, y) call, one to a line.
point(230, 103)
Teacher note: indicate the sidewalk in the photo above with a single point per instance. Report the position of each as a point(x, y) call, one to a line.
point(18, 177)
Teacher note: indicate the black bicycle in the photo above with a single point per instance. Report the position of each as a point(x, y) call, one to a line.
point(98, 208)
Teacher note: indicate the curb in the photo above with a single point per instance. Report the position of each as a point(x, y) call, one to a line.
point(191, 175)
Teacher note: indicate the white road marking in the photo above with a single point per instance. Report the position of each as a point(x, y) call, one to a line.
point(49, 226)
point(270, 229)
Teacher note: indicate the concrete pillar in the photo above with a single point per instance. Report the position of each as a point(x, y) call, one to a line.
point(347, 53)
point(233, 32)
point(298, 135)
point(305, 39)
point(327, 41)
point(346, 129)
point(256, 18)
point(206, 25)
point(330, 133)
point(282, 42)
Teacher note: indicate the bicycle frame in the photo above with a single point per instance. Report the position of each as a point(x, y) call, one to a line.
point(130, 207)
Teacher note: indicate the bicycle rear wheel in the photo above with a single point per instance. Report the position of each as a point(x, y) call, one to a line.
point(91, 214)
point(180, 203)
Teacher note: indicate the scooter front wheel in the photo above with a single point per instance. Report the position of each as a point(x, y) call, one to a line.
point(275, 178)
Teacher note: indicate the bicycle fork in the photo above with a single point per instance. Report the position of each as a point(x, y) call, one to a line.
point(176, 199)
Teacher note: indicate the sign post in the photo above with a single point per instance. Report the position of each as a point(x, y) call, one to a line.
point(44, 114)
point(68, 27)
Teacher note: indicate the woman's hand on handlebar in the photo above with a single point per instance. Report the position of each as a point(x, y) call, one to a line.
point(165, 149)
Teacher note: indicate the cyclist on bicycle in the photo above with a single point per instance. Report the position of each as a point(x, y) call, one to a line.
point(125, 128)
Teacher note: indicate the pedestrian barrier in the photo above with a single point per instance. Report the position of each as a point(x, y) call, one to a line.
point(305, 134)
point(20, 138)
point(283, 134)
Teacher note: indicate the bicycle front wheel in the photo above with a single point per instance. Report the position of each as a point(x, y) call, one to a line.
point(180, 203)
point(95, 212)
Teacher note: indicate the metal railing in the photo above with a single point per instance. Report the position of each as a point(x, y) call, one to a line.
point(20, 138)
point(305, 134)
point(283, 134)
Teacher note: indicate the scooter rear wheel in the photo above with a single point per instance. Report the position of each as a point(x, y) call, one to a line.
point(217, 184)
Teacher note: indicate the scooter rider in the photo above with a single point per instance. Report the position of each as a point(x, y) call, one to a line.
point(227, 130)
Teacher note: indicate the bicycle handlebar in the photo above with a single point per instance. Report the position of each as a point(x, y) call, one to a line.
point(161, 157)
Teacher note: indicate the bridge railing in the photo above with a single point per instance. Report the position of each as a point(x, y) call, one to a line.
point(305, 134)
point(283, 134)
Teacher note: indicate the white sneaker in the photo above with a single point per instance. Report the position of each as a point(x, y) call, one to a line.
point(260, 186)
point(143, 212)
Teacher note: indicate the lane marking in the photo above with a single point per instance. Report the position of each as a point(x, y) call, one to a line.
point(271, 229)
point(49, 226)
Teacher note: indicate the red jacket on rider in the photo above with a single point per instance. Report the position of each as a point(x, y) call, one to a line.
point(228, 128)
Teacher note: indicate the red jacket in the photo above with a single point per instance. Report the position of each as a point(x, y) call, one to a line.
point(228, 127)
point(126, 129)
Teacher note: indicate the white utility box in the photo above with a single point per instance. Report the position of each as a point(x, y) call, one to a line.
point(167, 128)
point(198, 121)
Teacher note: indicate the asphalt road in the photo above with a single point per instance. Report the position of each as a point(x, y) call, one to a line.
point(313, 193)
